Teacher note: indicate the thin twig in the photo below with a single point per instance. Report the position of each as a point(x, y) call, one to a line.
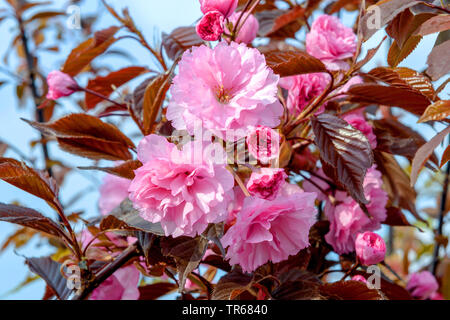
point(441, 219)
point(128, 254)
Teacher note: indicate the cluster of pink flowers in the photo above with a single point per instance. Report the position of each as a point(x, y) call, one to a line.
point(347, 219)
point(219, 18)
point(331, 42)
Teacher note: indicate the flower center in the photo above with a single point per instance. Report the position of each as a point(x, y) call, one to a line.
point(223, 95)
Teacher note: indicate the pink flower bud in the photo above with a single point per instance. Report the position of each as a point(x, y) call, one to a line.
point(210, 27)
point(247, 33)
point(422, 285)
point(370, 248)
point(266, 183)
point(359, 278)
point(264, 144)
point(60, 85)
point(226, 7)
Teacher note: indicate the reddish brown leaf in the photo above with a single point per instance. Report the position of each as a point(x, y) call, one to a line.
point(433, 25)
point(405, 78)
point(23, 177)
point(437, 111)
point(124, 170)
point(396, 138)
point(404, 98)
point(154, 96)
point(187, 252)
point(388, 10)
point(88, 136)
point(81, 56)
point(180, 40)
point(49, 271)
point(105, 85)
point(424, 153)
point(230, 283)
point(439, 61)
point(29, 218)
point(280, 23)
point(396, 183)
point(395, 217)
point(289, 63)
point(345, 149)
point(125, 217)
point(156, 290)
point(445, 157)
point(397, 54)
point(349, 290)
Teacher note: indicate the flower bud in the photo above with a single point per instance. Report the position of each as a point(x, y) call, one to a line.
point(60, 85)
point(370, 248)
point(226, 7)
point(248, 31)
point(266, 183)
point(359, 278)
point(210, 27)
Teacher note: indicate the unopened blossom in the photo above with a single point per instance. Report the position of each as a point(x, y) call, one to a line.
point(266, 183)
point(370, 248)
point(263, 144)
point(179, 189)
point(121, 285)
point(270, 230)
point(60, 85)
point(228, 90)
point(347, 219)
point(226, 7)
point(359, 278)
point(248, 31)
point(304, 88)
point(422, 285)
point(210, 27)
point(113, 191)
point(360, 123)
point(330, 41)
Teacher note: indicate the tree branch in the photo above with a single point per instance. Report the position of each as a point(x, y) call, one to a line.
point(131, 252)
point(32, 84)
point(441, 219)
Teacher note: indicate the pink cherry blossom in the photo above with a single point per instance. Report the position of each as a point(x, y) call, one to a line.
point(184, 196)
point(122, 285)
point(60, 85)
point(318, 183)
point(113, 191)
point(302, 89)
point(370, 248)
point(347, 219)
point(248, 31)
point(226, 7)
point(226, 88)
point(210, 27)
point(359, 278)
point(266, 183)
point(270, 230)
point(360, 123)
point(422, 285)
point(330, 41)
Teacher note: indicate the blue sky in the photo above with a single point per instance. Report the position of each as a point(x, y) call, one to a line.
point(152, 17)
